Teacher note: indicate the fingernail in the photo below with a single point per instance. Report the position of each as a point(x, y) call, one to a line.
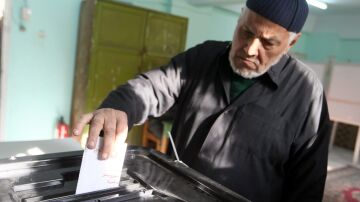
point(75, 132)
point(91, 144)
point(104, 156)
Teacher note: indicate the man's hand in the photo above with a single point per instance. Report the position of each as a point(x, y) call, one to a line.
point(113, 122)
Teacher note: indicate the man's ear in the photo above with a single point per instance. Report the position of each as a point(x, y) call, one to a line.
point(296, 38)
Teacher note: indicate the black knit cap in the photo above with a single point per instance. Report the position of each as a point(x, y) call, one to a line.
point(290, 14)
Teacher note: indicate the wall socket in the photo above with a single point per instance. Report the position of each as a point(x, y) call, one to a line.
point(26, 13)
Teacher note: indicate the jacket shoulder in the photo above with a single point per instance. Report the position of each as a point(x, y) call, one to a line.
point(214, 46)
point(306, 75)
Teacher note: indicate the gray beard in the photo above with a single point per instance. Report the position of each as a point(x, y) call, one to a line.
point(248, 74)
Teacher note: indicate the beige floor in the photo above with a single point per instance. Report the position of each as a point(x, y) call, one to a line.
point(340, 157)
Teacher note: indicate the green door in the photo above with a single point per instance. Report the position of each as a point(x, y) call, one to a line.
point(164, 38)
point(117, 49)
point(165, 34)
point(112, 67)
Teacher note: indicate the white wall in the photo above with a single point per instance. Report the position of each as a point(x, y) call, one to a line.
point(345, 26)
point(310, 24)
point(40, 68)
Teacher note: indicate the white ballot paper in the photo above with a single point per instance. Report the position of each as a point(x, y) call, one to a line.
point(98, 174)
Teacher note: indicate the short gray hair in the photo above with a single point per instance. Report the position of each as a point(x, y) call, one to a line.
point(292, 35)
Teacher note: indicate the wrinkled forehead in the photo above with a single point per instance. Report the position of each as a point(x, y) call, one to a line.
point(259, 25)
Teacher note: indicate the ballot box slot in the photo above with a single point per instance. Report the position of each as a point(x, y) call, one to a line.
point(38, 180)
point(45, 185)
point(45, 179)
point(44, 193)
point(104, 195)
point(129, 188)
point(70, 176)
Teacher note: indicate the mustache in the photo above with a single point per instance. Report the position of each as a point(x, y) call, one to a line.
point(253, 60)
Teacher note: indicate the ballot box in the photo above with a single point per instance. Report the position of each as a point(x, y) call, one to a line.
point(146, 176)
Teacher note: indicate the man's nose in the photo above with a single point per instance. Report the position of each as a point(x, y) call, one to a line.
point(252, 47)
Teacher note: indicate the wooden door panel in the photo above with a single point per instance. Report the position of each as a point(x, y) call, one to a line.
point(112, 67)
point(120, 26)
point(165, 34)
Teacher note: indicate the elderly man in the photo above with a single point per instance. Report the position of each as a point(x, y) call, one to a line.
point(249, 115)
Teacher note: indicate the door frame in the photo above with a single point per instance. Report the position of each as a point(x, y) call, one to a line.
point(5, 45)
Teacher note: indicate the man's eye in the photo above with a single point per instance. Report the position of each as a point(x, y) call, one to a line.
point(267, 43)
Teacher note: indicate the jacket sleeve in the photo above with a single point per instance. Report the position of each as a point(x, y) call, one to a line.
point(149, 94)
point(306, 168)
point(154, 92)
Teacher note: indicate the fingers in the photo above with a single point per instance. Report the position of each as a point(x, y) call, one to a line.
point(96, 125)
point(114, 124)
point(84, 119)
point(115, 137)
point(121, 128)
point(115, 133)
point(109, 134)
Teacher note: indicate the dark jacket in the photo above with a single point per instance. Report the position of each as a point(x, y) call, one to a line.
point(268, 144)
